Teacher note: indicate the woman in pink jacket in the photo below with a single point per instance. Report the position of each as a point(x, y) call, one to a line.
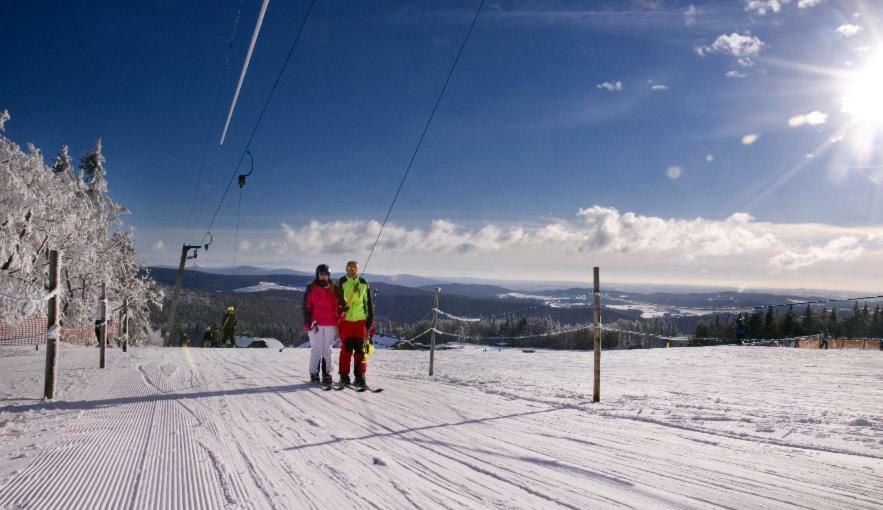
point(320, 323)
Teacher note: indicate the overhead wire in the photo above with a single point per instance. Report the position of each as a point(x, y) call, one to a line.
point(236, 241)
point(208, 134)
point(254, 40)
point(422, 136)
point(260, 118)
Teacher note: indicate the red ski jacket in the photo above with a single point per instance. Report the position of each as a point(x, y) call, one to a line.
point(320, 305)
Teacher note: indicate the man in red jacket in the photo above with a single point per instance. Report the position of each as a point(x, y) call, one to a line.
point(320, 323)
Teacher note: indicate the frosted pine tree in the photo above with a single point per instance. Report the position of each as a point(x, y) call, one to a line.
point(62, 164)
point(93, 173)
point(92, 169)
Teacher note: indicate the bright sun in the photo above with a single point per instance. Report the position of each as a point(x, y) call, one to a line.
point(864, 95)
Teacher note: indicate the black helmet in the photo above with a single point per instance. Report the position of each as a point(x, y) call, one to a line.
point(322, 269)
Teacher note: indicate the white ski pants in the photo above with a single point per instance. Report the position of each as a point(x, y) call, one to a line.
point(321, 341)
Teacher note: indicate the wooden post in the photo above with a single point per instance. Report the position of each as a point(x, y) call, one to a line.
point(52, 328)
point(102, 328)
point(596, 394)
point(432, 336)
point(125, 324)
point(171, 337)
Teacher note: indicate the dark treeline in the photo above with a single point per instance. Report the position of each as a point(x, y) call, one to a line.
point(273, 314)
point(861, 322)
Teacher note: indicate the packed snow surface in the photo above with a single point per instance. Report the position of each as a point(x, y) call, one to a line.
point(712, 427)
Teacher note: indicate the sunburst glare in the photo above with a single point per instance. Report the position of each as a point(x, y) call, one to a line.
point(864, 93)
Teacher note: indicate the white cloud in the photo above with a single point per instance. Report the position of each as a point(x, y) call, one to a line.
point(742, 47)
point(605, 229)
point(847, 30)
point(806, 4)
point(673, 172)
point(761, 7)
point(733, 248)
point(658, 87)
point(816, 117)
point(690, 15)
point(159, 245)
point(862, 49)
point(740, 217)
point(599, 229)
point(615, 86)
point(442, 236)
point(735, 74)
point(245, 246)
point(812, 118)
point(749, 139)
point(842, 249)
point(709, 158)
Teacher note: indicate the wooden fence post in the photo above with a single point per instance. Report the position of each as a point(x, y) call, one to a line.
point(102, 329)
point(432, 336)
point(125, 325)
point(596, 394)
point(53, 332)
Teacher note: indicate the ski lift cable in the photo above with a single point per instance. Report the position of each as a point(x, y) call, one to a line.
point(208, 134)
point(423, 135)
point(254, 40)
point(575, 329)
point(236, 242)
point(25, 299)
point(456, 318)
point(242, 181)
point(261, 116)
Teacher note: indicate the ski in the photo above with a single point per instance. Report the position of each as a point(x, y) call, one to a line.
point(363, 389)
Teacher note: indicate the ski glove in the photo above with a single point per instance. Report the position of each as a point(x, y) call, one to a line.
point(313, 326)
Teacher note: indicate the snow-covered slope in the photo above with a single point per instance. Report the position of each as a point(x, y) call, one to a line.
point(714, 427)
point(265, 286)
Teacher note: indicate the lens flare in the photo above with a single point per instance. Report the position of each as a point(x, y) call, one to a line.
point(864, 96)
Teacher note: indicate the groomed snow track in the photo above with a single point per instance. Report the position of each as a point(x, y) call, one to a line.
point(715, 427)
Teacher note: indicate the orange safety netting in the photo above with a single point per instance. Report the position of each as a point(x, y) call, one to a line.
point(33, 332)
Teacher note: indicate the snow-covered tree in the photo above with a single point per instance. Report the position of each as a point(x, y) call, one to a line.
point(92, 168)
point(62, 164)
point(42, 212)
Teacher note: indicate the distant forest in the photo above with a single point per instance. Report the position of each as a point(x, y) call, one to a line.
point(861, 322)
point(275, 314)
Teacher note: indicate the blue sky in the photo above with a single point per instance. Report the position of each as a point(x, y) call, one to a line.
point(668, 142)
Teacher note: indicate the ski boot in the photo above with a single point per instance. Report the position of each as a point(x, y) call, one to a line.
point(360, 381)
point(344, 380)
point(326, 379)
point(314, 378)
